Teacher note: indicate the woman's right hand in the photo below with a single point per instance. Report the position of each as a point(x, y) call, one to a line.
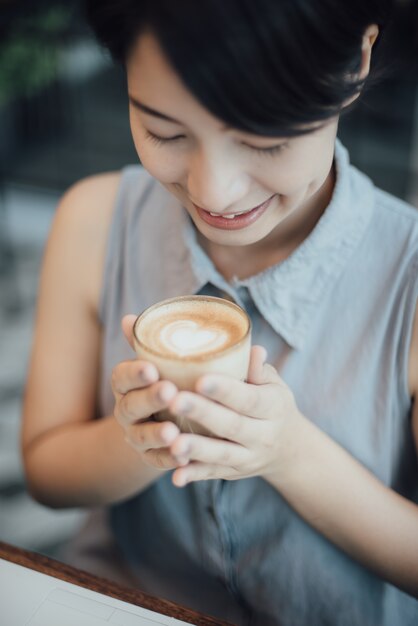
point(139, 394)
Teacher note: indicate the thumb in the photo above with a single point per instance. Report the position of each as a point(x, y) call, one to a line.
point(127, 324)
point(260, 372)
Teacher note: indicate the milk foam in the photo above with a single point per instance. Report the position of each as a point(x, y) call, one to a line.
point(186, 337)
point(191, 328)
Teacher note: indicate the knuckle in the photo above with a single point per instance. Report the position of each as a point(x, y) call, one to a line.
point(236, 472)
point(127, 407)
point(155, 404)
point(153, 398)
point(208, 474)
point(273, 401)
point(253, 403)
point(234, 426)
point(225, 456)
point(117, 414)
point(114, 378)
point(267, 441)
point(136, 435)
point(135, 446)
point(159, 458)
point(148, 457)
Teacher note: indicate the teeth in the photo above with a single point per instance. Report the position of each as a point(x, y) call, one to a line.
point(231, 216)
point(227, 217)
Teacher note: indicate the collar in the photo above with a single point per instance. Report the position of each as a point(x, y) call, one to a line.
point(288, 294)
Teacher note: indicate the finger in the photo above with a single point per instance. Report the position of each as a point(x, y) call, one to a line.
point(218, 419)
point(260, 372)
point(160, 458)
point(134, 374)
point(258, 356)
point(138, 404)
point(240, 397)
point(127, 324)
point(206, 450)
point(152, 434)
point(152, 440)
point(194, 472)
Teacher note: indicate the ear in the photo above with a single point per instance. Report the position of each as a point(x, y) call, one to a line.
point(370, 35)
point(369, 39)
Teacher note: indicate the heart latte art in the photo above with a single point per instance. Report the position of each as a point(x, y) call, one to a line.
point(186, 337)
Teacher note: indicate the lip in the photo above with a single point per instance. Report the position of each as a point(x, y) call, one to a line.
point(241, 221)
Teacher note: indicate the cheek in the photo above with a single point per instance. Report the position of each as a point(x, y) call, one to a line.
point(158, 161)
point(288, 177)
point(298, 171)
point(163, 167)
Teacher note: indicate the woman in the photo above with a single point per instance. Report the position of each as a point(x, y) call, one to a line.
point(303, 509)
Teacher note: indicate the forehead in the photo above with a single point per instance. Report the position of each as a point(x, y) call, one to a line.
point(153, 80)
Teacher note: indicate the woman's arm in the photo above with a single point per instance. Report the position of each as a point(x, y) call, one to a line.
point(70, 458)
point(347, 504)
point(350, 506)
point(85, 464)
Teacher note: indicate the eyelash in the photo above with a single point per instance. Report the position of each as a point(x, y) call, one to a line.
point(271, 151)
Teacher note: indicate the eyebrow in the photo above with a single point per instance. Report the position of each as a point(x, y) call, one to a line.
point(146, 109)
point(162, 116)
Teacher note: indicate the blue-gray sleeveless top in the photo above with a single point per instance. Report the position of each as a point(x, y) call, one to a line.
point(336, 318)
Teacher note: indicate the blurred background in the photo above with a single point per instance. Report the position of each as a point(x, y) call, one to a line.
point(63, 116)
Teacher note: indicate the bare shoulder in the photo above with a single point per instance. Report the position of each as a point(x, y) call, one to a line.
point(88, 204)
point(80, 229)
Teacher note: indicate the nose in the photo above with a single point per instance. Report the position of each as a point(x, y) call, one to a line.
point(214, 182)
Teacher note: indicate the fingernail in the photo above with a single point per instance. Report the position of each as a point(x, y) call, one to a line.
point(183, 449)
point(169, 433)
point(184, 406)
point(164, 394)
point(209, 387)
point(147, 375)
point(180, 481)
point(182, 460)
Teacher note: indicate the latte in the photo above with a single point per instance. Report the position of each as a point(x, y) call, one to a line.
point(189, 336)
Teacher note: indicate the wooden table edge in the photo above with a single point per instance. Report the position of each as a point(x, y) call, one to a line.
point(67, 573)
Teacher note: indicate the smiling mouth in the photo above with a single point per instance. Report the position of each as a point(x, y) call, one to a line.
point(230, 216)
point(233, 221)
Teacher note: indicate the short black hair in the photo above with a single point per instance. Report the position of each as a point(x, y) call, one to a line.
point(268, 67)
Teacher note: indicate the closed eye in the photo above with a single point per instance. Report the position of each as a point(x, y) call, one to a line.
point(161, 140)
point(270, 150)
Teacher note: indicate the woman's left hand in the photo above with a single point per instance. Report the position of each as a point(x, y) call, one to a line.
point(252, 423)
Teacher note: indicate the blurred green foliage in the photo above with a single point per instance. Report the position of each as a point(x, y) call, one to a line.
point(29, 54)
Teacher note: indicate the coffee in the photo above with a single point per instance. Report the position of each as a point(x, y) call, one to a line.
point(189, 336)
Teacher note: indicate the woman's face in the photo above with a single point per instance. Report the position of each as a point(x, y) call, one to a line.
point(214, 169)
